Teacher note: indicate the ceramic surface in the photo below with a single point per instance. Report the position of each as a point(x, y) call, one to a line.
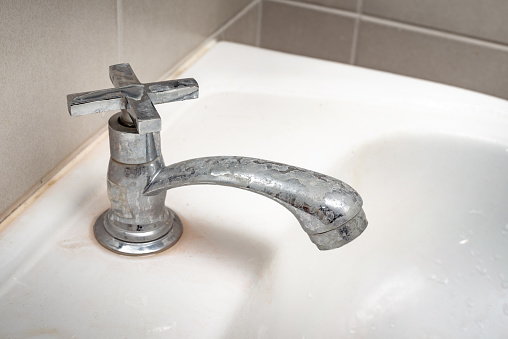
point(429, 160)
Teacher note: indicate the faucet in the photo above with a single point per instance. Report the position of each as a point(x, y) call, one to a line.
point(139, 223)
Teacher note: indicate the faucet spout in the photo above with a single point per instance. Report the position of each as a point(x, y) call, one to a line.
point(329, 210)
point(139, 223)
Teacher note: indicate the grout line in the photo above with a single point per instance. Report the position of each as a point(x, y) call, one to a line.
point(233, 20)
point(435, 33)
point(206, 44)
point(419, 29)
point(63, 167)
point(354, 47)
point(359, 7)
point(190, 60)
point(317, 8)
point(119, 28)
point(259, 28)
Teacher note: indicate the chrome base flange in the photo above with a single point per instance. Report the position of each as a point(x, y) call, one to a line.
point(121, 246)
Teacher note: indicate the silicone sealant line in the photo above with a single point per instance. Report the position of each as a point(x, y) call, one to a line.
point(58, 172)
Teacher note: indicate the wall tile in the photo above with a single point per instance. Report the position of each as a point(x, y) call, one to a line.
point(303, 31)
point(49, 49)
point(158, 33)
point(484, 19)
point(479, 67)
point(52, 48)
point(245, 29)
point(349, 5)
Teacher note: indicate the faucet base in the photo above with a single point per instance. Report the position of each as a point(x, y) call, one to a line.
point(120, 246)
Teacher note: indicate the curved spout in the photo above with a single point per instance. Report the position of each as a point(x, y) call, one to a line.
point(329, 210)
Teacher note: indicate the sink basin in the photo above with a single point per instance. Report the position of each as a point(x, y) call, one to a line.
point(429, 161)
point(432, 264)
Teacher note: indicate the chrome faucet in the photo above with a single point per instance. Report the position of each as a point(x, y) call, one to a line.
point(139, 223)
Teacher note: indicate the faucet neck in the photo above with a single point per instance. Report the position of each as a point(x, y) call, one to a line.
point(127, 146)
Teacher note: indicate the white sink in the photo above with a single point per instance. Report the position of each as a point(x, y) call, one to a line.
point(430, 162)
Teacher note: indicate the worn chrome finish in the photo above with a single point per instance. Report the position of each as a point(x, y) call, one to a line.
point(127, 146)
point(138, 222)
point(329, 210)
point(135, 224)
point(130, 96)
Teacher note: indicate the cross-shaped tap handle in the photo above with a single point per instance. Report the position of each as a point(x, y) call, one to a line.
point(136, 100)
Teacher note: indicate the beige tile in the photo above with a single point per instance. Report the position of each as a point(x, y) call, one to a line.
point(303, 31)
point(49, 49)
point(349, 5)
point(481, 68)
point(245, 29)
point(486, 19)
point(157, 34)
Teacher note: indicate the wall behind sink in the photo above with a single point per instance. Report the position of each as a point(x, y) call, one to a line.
point(50, 48)
point(458, 42)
